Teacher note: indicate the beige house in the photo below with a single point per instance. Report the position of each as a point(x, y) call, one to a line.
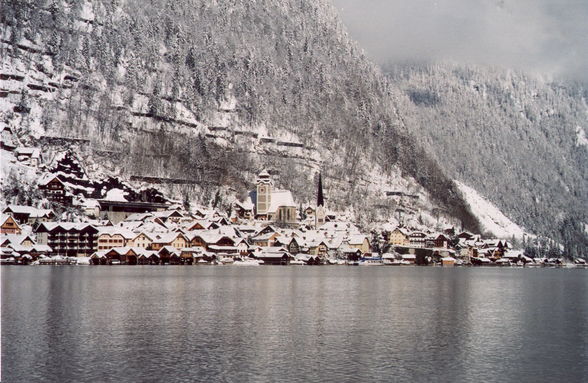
point(141, 240)
point(176, 240)
point(110, 236)
point(360, 242)
point(8, 225)
point(317, 248)
point(399, 237)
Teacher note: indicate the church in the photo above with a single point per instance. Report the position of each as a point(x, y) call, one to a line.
point(267, 203)
point(272, 204)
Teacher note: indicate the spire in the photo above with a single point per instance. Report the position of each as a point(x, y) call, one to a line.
point(320, 200)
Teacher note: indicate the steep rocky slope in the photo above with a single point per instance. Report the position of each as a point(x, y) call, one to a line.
point(198, 95)
point(517, 139)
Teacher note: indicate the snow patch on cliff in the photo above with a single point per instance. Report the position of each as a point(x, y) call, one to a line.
point(581, 139)
point(491, 218)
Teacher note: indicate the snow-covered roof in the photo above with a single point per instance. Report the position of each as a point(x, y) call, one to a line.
point(170, 249)
point(264, 237)
point(347, 227)
point(42, 248)
point(192, 250)
point(223, 248)
point(281, 198)
point(33, 212)
point(246, 205)
point(89, 203)
point(167, 213)
point(356, 239)
point(67, 226)
point(116, 195)
point(401, 230)
point(138, 217)
point(46, 178)
point(167, 237)
point(15, 238)
point(4, 217)
point(114, 230)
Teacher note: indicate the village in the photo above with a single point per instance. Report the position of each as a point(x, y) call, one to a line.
point(267, 228)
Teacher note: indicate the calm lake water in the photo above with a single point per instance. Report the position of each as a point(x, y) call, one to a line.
point(294, 324)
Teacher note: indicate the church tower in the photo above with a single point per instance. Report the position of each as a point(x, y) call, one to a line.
point(264, 192)
point(320, 212)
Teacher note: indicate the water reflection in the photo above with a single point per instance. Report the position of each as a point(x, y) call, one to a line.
point(296, 324)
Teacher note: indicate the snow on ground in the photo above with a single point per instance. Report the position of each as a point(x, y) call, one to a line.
point(581, 139)
point(115, 195)
point(8, 164)
point(490, 217)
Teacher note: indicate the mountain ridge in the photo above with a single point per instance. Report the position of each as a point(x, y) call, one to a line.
point(212, 92)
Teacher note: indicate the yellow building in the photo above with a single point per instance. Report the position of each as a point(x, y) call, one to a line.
point(399, 237)
point(142, 240)
point(360, 242)
point(111, 236)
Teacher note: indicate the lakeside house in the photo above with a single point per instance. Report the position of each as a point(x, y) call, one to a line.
point(28, 214)
point(8, 225)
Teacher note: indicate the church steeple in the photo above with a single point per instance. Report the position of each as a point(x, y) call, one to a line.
point(320, 199)
point(320, 213)
point(264, 193)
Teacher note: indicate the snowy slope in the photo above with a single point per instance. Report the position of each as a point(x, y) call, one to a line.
point(491, 218)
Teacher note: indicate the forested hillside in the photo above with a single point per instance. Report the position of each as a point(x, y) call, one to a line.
point(204, 93)
point(517, 139)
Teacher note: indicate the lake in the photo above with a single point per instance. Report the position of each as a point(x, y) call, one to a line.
point(293, 324)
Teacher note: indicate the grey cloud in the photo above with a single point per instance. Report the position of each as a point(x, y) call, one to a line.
point(545, 36)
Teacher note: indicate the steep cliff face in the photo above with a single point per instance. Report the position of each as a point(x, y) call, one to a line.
point(199, 95)
point(517, 139)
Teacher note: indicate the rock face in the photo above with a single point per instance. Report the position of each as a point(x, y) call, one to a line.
point(200, 95)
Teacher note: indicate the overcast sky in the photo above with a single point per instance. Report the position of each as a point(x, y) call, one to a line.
point(547, 36)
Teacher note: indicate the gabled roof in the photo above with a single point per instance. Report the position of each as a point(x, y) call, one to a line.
point(281, 198)
point(357, 239)
point(42, 248)
point(167, 214)
point(116, 230)
point(15, 239)
point(245, 205)
point(267, 228)
point(401, 230)
point(121, 250)
point(264, 237)
point(47, 178)
point(209, 237)
point(149, 236)
point(66, 226)
point(6, 217)
point(169, 249)
point(335, 242)
point(168, 237)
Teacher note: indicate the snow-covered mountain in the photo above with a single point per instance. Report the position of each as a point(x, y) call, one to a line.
point(198, 96)
point(517, 139)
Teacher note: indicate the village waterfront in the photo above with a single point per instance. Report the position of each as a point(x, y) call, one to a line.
point(295, 324)
point(267, 228)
